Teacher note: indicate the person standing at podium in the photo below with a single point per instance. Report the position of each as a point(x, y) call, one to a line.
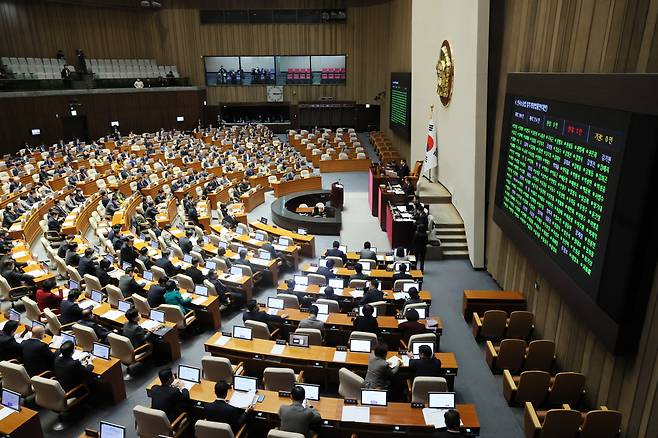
point(419, 245)
point(402, 169)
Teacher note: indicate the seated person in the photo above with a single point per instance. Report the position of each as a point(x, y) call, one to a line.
point(254, 313)
point(400, 255)
point(86, 264)
point(37, 355)
point(242, 260)
point(367, 322)
point(9, 347)
point(185, 243)
point(359, 275)
point(327, 270)
point(133, 331)
point(312, 321)
point(72, 258)
point(367, 253)
point(414, 297)
point(69, 310)
point(453, 424)
point(371, 293)
point(173, 296)
point(222, 291)
point(334, 251)
point(296, 417)
point(128, 284)
point(166, 264)
point(401, 274)
point(222, 412)
point(68, 371)
point(100, 331)
point(379, 372)
point(15, 277)
point(194, 271)
point(144, 257)
point(103, 273)
point(427, 365)
point(127, 252)
point(170, 396)
point(411, 326)
point(48, 296)
point(155, 295)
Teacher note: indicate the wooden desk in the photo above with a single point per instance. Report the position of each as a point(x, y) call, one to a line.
point(482, 300)
point(78, 223)
point(22, 424)
point(291, 252)
point(380, 274)
point(306, 242)
point(385, 197)
point(396, 417)
point(317, 362)
point(300, 185)
point(255, 199)
point(382, 258)
point(351, 165)
point(400, 231)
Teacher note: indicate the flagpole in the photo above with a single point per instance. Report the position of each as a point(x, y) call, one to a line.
point(432, 119)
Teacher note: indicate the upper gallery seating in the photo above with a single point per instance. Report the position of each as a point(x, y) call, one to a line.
point(129, 68)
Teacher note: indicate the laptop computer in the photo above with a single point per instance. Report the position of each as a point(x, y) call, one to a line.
point(343, 248)
point(416, 345)
point(265, 255)
point(11, 400)
point(241, 332)
point(157, 315)
point(302, 231)
point(301, 280)
point(441, 400)
point(245, 384)
point(14, 315)
point(311, 391)
point(236, 270)
point(109, 430)
point(201, 290)
point(336, 283)
point(374, 313)
point(101, 351)
point(323, 309)
point(67, 337)
point(148, 275)
point(74, 284)
point(360, 346)
point(189, 376)
point(374, 397)
point(285, 241)
point(275, 303)
point(187, 258)
point(97, 296)
point(124, 306)
point(322, 262)
point(407, 286)
point(210, 265)
point(37, 323)
point(298, 340)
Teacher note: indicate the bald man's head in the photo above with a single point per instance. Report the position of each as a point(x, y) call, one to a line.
point(38, 332)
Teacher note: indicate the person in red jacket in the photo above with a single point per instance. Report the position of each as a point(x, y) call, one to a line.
point(47, 298)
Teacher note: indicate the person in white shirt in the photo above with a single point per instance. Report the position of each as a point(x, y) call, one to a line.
point(138, 83)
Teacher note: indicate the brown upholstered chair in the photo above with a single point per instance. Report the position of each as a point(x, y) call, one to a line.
point(508, 355)
point(556, 423)
point(540, 355)
point(567, 387)
point(520, 325)
point(530, 386)
point(491, 326)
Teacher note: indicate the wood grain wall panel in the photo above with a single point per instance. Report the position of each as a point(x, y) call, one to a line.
point(578, 36)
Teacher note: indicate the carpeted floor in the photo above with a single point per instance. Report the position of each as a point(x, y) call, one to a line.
point(445, 279)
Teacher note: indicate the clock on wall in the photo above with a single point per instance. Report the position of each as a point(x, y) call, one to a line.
point(445, 74)
point(275, 93)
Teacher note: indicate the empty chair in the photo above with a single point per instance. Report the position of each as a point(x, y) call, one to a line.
point(13, 294)
point(122, 349)
point(74, 275)
point(530, 386)
point(213, 429)
point(53, 323)
point(219, 368)
point(280, 379)
point(92, 283)
point(380, 306)
point(49, 394)
point(423, 385)
point(290, 301)
point(276, 433)
point(350, 384)
point(509, 355)
point(185, 282)
point(365, 336)
point(601, 423)
point(259, 330)
point(114, 295)
point(175, 315)
point(317, 279)
point(15, 378)
point(520, 324)
point(357, 284)
point(540, 355)
point(151, 423)
point(142, 305)
point(556, 423)
point(332, 305)
point(158, 273)
point(84, 337)
point(491, 326)
point(314, 335)
point(566, 388)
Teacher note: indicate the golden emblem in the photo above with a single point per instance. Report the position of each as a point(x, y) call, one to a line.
point(445, 74)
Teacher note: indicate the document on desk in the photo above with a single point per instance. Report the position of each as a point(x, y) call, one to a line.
point(340, 356)
point(149, 324)
point(112, 314)
point(233, 278)
point(299, 288)
point(199, 301)
point(272, 311)
point(312, 269)
point(357, 414)
point(279, 247)
point(19, 254)
point(223, 340)
point(241, 399)
point(79, 354)
point(323, 317)
point(5, 412)
point(435, 417)
point(357, 293)
point(400, 296)
point(277, 349)
point(36, 273)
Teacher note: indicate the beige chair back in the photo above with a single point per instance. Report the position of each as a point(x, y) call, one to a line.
point(290, 301)
point(318, 279)
point(601, 424)
point(366, 336)
point(533, 387)
point(493, 324)
point(540, 355)
point(332, 305)
point(398, 283)
point(174, 315)
point(357, 284)
point(259, 330)
point(381, 307)
point(74, 274)
point(121, 348)
point(423, 385)
point(350, 384)
point(338, 262)
point(561, 423)
point(217, 368)
point(276, 433)
point(567, 388)
point(314, 335)
point(49, 394)
point(142, 305)
point(278, 379)
point(422, 337)
point(416, 306)
point(114, 295)
point(31, 309)
point(158, 273)
point(15, 378)
point(53, 325)
point(520, 324)
point(212, 429)
point(149, 423)
point(84, 337)
point(185, 282)
point(92, 283)
point(511, 354)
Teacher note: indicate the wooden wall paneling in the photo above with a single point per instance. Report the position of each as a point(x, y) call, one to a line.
point(579, 36)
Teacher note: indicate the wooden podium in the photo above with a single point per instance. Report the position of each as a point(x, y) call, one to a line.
point(337, 195)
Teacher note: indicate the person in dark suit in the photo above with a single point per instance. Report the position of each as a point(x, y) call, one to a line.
point(327, 270)
point(72, 258)
point(100, 331)
point(222, 412)
point(401, 274)
point(68, 371)
point(155, 295)
point(102, 273)
point(403, 169)
point(169, 396)
point(367, 322)
point(69, 310)
point(14, 277)
point(411, 326)
point(242, 260)
point(297, 417)
point(194, 272)
point(128, 284)
point(414, 297)
point(37, 356)
point(253, 313)
point(359, 275)
point(86, 265)
point(185, 243)
point(9, 348)
point(334, 251)
point(128, 253)
point(419, 245)
point(144, 257)
point(133, 331)
point(453, 423)
point(427, 365)
point(372, 294)
point(379, 372)
point(166, 264)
